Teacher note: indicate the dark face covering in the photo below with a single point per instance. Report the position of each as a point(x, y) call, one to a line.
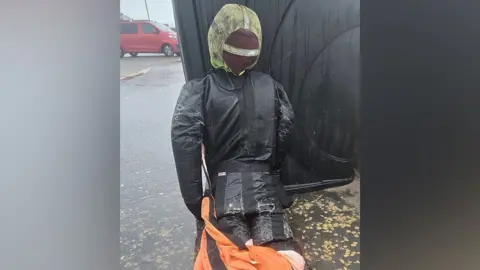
point(242, 42)
point(234, 39)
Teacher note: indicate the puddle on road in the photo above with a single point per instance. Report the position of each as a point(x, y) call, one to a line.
point(159, 233)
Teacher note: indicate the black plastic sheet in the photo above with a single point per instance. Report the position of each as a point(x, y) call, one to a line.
point(312, 47)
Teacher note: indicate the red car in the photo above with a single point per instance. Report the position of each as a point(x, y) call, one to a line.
point(147, 37)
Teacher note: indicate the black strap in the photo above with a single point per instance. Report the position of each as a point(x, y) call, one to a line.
point(250, 114)
point(214, 256)
point(208, 192)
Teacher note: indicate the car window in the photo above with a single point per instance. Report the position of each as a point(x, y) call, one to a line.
point(164, 28)
point(128, 28)
point(148, 28)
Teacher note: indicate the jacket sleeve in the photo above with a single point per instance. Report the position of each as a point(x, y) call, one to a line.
point(285, 118)
point(187, 136)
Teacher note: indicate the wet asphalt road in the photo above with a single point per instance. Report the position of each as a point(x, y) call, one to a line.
point(157, 231)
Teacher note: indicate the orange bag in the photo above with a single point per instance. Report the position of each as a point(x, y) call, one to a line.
point(221, 252)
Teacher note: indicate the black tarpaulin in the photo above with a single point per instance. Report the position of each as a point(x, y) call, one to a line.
point(312, 48)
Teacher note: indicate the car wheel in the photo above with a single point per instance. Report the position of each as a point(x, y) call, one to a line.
point(134, 54)
point(122, 54)
point(167, 50)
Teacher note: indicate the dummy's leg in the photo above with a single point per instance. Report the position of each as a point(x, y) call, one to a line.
point(235, 225)
point(272, 230)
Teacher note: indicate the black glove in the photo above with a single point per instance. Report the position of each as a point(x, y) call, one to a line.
point(198, 238)
point(285, 200)
point(196, 210)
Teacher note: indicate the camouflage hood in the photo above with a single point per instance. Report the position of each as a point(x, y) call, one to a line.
point(229, 19)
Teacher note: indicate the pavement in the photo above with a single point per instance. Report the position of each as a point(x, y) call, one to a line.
point(157, 231)
point(326, 224)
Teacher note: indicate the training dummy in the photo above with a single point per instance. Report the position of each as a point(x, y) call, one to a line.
point(244, 120)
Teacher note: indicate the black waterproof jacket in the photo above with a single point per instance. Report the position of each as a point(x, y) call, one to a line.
point(245, 124)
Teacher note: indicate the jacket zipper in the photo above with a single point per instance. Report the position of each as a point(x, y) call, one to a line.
point(247, 120)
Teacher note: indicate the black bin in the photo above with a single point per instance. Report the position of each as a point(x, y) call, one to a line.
point(312, 47)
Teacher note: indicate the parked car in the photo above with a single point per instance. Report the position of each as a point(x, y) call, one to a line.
point(147, 37)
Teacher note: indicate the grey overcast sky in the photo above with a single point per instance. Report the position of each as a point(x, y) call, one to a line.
point(160, 10)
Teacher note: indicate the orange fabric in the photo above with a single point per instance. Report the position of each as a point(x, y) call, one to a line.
point(202, 262)
point(255, 258)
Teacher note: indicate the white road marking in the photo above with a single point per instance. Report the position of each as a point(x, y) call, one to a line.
point(141, 72)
